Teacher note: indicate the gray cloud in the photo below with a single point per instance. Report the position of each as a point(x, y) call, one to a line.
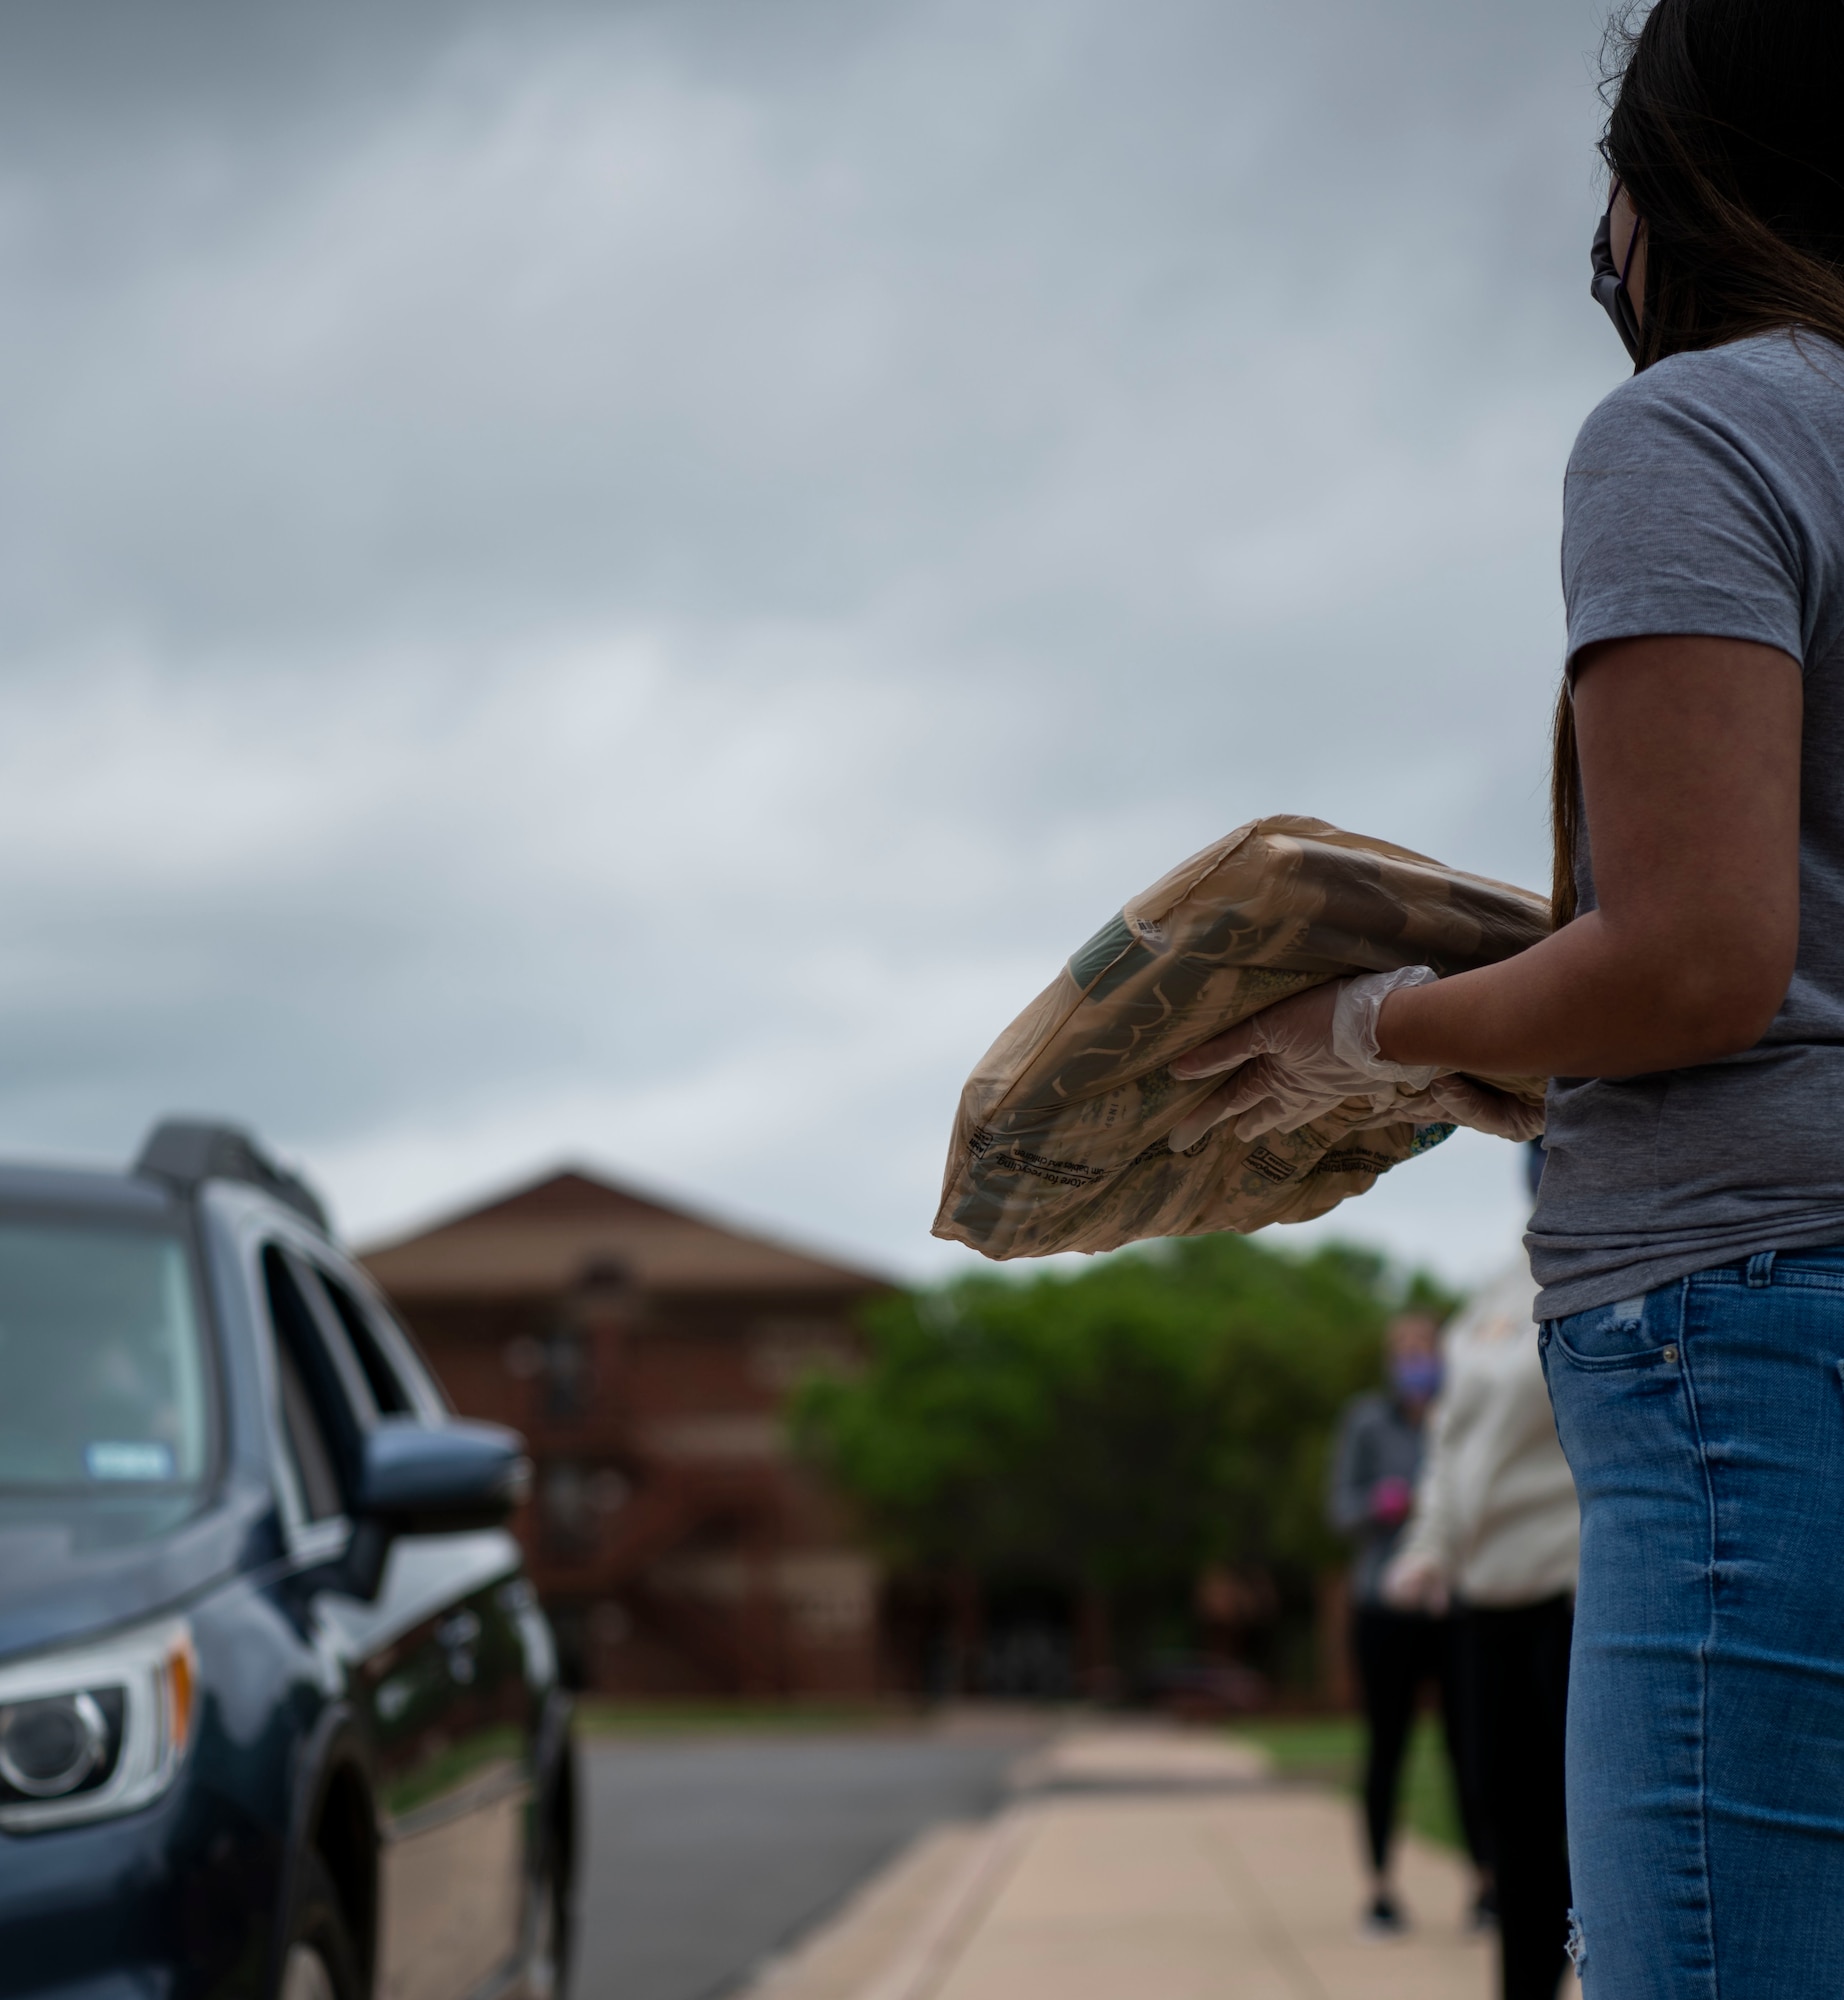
point(626, 579)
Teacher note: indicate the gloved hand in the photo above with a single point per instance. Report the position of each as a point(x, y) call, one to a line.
point(1459, 1100)
point(1297, 1059)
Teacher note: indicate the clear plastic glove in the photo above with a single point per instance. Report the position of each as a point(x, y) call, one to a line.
point(1416, 1583)
point(1459, 1100)
point(1294, 1061)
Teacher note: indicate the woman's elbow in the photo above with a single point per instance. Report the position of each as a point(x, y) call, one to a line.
point(1728, 1009)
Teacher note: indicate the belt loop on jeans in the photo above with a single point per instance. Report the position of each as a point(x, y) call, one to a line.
point(1760, 1269)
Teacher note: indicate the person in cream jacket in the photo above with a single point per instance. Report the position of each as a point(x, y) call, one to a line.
point(1494, 1534)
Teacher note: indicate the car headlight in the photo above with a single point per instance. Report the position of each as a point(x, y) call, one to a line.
point(96, 1730)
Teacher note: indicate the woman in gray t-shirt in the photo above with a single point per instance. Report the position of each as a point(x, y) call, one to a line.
point(1690, 1007)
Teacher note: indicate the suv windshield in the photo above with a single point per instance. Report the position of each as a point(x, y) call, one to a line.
point(102, 1360)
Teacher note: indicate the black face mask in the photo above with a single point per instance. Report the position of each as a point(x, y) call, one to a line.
point(1609, 285)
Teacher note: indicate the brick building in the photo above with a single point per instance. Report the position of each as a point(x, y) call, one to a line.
point(646, 1354)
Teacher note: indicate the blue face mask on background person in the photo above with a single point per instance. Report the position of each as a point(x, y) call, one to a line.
point(1609, 281)
point(1416, 1377)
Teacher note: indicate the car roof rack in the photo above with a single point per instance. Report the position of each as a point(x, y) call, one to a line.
point(187, 1151)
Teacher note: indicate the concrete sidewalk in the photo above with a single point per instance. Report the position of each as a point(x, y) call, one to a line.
point(1143, 1864)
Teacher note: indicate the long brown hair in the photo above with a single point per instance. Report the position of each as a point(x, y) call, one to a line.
point(1726, 128)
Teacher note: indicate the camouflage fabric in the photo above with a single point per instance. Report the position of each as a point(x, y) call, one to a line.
point(1060, 1139)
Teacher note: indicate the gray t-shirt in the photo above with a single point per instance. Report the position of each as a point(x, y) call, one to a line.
point(1706, 496)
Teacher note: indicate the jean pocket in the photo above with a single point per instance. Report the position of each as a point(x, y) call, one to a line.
point(1636, 1333)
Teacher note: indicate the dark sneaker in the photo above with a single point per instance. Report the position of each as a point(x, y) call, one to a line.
point(1384, 1919)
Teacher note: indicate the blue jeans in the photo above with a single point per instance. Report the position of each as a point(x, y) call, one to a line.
point(1704, 1424)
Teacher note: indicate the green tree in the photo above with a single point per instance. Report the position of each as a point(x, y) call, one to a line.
point(1115, 1429)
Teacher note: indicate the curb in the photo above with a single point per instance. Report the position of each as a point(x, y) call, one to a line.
point(903, 1933)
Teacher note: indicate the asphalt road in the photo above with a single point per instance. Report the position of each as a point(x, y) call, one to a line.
point(706, 1856)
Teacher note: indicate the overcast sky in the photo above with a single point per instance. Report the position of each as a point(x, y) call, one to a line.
point(621, 582)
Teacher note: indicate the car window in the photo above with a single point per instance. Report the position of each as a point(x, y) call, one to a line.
point(318, 1422)
point(308, 1449)
point(424, 1381)
point(103, 1376)
point(388, 1389)
point(393, 1345)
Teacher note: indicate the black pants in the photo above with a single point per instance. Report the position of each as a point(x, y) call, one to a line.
point(1398, 1654)
point(1515, 1671)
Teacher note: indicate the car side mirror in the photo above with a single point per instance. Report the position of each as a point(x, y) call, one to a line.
point(442, 1478)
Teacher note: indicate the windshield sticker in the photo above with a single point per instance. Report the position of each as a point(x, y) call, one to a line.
point(115, 1460)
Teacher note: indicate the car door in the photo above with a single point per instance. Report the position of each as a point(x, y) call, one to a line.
point(450, 1706)
point(434, 1661)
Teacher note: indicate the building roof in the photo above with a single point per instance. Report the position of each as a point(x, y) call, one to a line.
point(570, 1227)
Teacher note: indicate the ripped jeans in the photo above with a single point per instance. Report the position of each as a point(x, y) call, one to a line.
point(1704, 1424)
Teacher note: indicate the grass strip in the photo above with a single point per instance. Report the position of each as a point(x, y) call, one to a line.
point(1330, 1750)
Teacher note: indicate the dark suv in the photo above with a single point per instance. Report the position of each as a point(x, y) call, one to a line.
point(279, 1713)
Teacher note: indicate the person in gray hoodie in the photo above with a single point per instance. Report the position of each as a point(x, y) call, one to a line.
point(1397, 1652)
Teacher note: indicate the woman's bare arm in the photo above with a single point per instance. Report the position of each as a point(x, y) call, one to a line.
point(1690, 754)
